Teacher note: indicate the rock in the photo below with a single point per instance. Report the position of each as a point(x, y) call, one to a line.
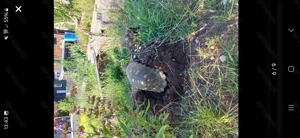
point(223, 58)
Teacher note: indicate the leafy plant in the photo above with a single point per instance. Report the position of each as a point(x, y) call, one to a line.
point(155, 20)
point(67, 104)
point(118, 56)
point(147, 124)
point(76, 51)
point(81, 70)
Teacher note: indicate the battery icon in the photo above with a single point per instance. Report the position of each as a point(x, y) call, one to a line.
point(6, 9)
point(5, 31)
point(6, 113)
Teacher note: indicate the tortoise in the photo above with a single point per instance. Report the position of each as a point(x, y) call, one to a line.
point(146, 78)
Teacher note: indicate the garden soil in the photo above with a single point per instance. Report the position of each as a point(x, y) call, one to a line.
point(175, 61)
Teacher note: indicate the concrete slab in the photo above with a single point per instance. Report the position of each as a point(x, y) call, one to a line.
point(95, 43)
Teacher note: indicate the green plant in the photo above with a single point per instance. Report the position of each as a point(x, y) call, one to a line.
point(75, 49)
point(141, 123)
point(80, 70)
point(61, 12)
point(118, 56)
point(204, 116)
point(83, 39)
point(159, 20)
point(209, 119)
point(98, 118)
point(82, 10)
point(57, 63)
point(114, 79)
point(114, 72)
point(67, 104)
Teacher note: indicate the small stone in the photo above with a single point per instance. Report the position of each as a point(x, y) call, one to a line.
point(237, 17)
point(212, 58)
point(173, 59)
point(203, 27)
point(140, 47)
point(135, 50)
point(222, 35)
point(186, 92)
point(134, 56)
point(223, 58)
point(197, 41)
point(212, 47)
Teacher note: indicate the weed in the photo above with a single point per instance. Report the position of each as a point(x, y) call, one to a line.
point(141, 123)
point(159, 20)
point(212, 109)
point(209, 120)
point(67, 104)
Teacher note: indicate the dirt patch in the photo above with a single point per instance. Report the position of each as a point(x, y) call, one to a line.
point(174, 60)
point(73, 90)
point(101, 62)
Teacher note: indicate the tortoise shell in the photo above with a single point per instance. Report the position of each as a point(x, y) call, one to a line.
point(146, 78)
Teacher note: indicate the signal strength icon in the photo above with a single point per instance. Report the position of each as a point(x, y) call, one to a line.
point(6, 9)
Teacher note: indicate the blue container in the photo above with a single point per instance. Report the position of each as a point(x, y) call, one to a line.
point(71, 37)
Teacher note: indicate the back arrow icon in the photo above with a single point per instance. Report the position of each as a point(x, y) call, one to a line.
point(291, 30)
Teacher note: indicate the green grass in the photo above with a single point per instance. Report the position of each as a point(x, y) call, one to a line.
point(67, 104)
point(83, 40)
point(82, 71)
point(86, 7)
point(114, 82)
point(208, 120)
point(210, 110)
point(158, 20)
